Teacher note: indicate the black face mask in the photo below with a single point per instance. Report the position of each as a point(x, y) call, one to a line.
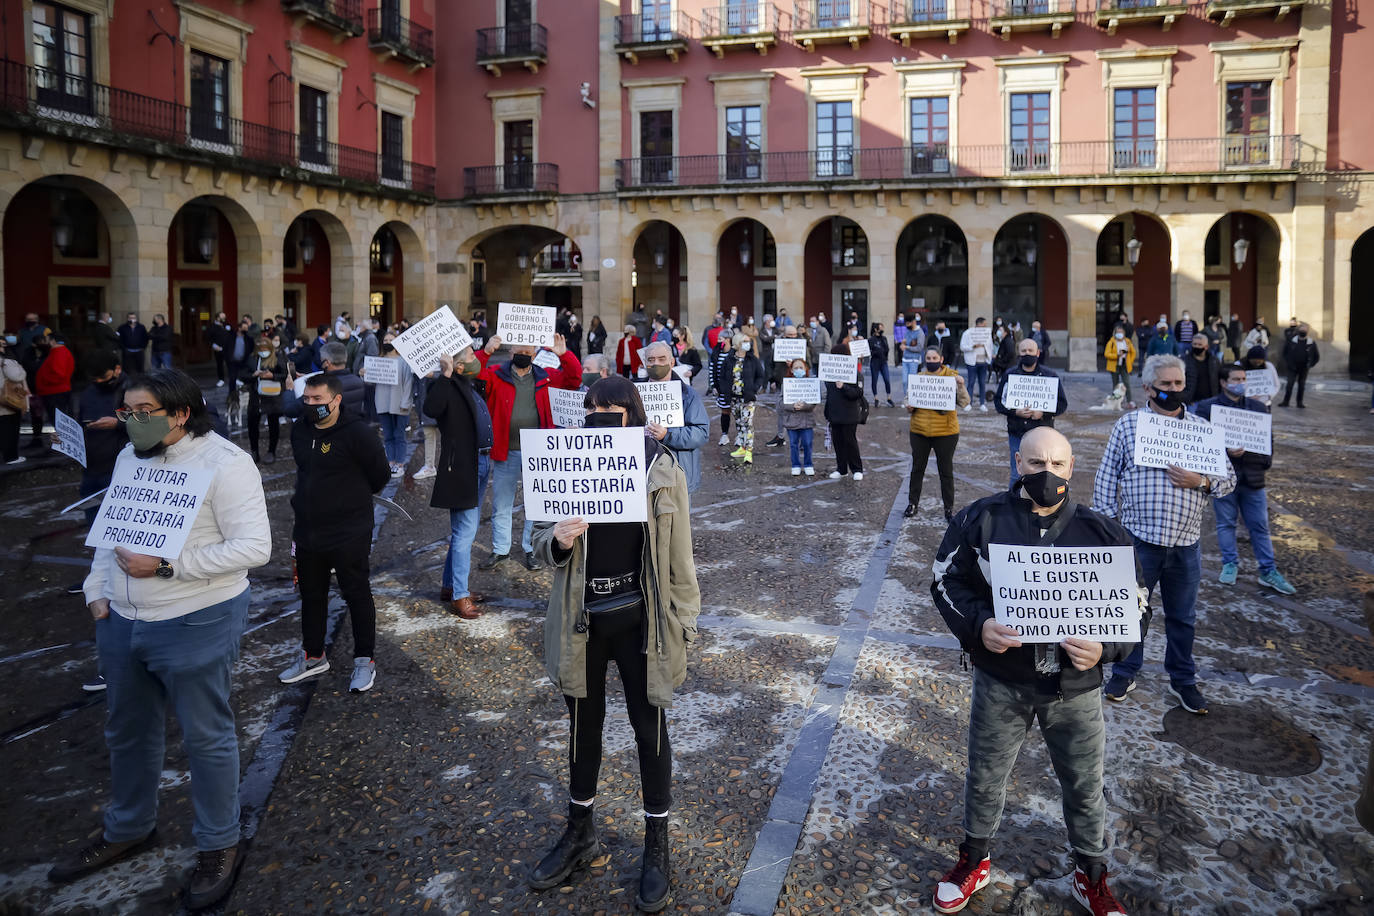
point(109, 385)
point(1199, 352)
point(1028, 361)
point(933, 367)
point(1168, 400)
point(1045, 488)
point(602, 420)
point(321, 411)
point(521, 360)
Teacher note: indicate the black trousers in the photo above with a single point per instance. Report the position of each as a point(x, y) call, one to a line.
point(350, 566)
point(52, 403)
point(1301, 378)
point(133, 362)
point(9, 436)
point(921, 447)
point(846, 440)
point(221, 364)
point(255, 416)
point(619, 635)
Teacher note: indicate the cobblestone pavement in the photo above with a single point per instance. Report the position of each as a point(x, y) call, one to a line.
point(818, 740)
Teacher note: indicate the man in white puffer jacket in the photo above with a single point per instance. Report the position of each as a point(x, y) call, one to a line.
point(168, 631)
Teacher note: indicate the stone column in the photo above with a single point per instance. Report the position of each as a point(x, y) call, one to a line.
point(1081, 236)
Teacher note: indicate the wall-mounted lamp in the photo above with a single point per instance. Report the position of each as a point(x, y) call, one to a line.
point(745, 252)
point(1133, 252)
point(307, 243)
point(522, 259)
point(61, 223)
point(205, 244)
point(1239, 251)
point(660, 257)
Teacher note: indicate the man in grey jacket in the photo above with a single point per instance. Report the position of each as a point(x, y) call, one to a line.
point(367, 346)
point(686, 440)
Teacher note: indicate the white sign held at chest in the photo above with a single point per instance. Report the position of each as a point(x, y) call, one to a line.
point(1246, 429)
point(547, 359)
point(981, 337)
point(71, 437)
point(381, 370)
point(566, 406)
point(859, 347)
point(439, 333)
point(786, 349)
point(1260, 384)
point(1187, 442)
point(836, 367)
point(1031, 392)
point(525, 325)
point(801, 391)
point(662, 402)
point(1048, 594)
point(149, 507)
point(597, 475)
point(931, 392)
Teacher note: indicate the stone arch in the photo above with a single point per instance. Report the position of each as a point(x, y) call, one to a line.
point(660, 253)
point(932, 275)
point(1030, 267)
point(1250, 289)
point(1145, 288)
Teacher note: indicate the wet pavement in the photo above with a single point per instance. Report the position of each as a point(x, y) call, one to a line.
point(818, 741)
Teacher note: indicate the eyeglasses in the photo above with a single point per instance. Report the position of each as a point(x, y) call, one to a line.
point(124, 414)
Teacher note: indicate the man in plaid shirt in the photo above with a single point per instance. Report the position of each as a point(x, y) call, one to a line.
point(1162, 509)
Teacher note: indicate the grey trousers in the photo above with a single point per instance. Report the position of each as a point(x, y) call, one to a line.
point(999, 721)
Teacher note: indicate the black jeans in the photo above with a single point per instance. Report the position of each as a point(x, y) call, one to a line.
point(52, 403)
point(619, 635)
point(133, 362)
point(1301, 378)
point(350, 566)
point(846, 439)
point(921, 447)
point(9, 437)
point(255, 416)
point(221, 364)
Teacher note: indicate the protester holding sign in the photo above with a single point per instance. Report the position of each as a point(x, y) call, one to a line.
point(517, 397)
point(392, 402)
point(263, 374)
point(935, 431)
point(686, 440)
point(844, 411)
point(740, 380)
point(1022, 418)
point(105, 436)
point(787, 347)
point(1162, 509)
point(1261, 377)
point(1016, 684)
point(976, 344)
point(168, 627)
point(625, 592)
point(1249, 499)
point(799, 419)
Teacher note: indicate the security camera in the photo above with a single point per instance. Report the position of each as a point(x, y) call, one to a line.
point(587, 95)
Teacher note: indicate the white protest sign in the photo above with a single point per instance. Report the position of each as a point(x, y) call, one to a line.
point(382, 370)
point(547, 359)
point(298, 386)
point(801, 391)
point(662, 402)
point(1048, 594)
point(836, 367)
point(149, 507)
point(982, 336)
point(439, 333)
point(1247, 429)
point(1031, 392)
point(566, 406)
point(597, 475)
point(683, 372)
point(1188, 442)
point(931, 392)
point(859, 347)
point(786, 349)
point(525, 325)
point(71, 437)
point(1260, 383)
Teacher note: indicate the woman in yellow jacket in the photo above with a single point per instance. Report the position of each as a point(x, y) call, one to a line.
point(937, 431)
point(1120, 355)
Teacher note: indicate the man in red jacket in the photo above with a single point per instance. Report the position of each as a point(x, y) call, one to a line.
point(53, 381)
point(518, 398)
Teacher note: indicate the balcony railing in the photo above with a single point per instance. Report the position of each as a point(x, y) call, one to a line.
point(815, 15)
point(404, 38)
point(343, 16)
point(943, 162)
point(526, 44)
point(739, 19)
point(659, 25)
point(126, 118)
point(514, 178)
point(920, 12)
point(1019, 8)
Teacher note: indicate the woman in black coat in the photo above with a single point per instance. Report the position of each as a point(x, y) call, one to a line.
point(878, 350)
point(739, 381)
point(843, 411)
point(596, 335)
point(454, 402)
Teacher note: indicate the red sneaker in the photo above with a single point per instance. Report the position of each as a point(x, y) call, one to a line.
point(961, 882)
point(1097, 898)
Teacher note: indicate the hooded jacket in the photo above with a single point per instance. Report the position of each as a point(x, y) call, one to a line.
point(1019, 426)
point(337, 471)
point(963, 594)
point(501, 395)
point(1201, 377)
point(668, 580)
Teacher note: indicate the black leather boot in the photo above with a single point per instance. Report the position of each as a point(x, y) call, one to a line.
point(653, 877)
point(574, 849)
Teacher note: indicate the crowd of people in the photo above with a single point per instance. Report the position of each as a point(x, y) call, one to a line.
point(169, 628)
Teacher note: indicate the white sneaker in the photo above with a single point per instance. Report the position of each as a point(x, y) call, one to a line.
point(983, 408)
point(967, 408)
point(426, 472)
point(796, 472)
point(858, 475)
point(810, 472)
point(20, 460)
point(398, 471)
point(303, 668)
point(724, 440)
point(219, 384)
point(835, 475)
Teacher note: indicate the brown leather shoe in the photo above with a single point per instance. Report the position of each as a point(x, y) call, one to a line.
point(213, 877)
point(96, 855)
point(445, 594)
point(466, 608)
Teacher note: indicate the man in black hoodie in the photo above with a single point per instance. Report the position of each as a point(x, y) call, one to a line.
point(1299, 356)
point(1021, 420)
point(1015, 684)
point(1200, 371)
point(340, 464)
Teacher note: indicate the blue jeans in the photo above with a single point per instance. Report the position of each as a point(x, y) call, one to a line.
point(799, 442)
point(188, 660)
point(394, 436)
point(978, 375)
point(876, 368)
point(462, 533)
point(1013, 446)
point(1177, 571)
point(505, 477)
point(908, 370)
point(1253, 506)
point(162, 360)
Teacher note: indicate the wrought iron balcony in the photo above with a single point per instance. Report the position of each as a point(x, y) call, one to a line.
point(344, 17)
point(660, 32)
point(1112, 14)
point(943, 163)
point(519, 178)
point(930, 18)
point(816, 22)
point(526, 45)
point(91, 111)
point(403, 38)
point(747, 24)
point(1007, 16)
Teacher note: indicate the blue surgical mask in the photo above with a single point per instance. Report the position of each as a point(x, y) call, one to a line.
point(799, 373)
point(1236, 391)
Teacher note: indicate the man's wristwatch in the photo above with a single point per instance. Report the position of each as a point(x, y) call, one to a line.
point(1206, 485)
point(164, 570)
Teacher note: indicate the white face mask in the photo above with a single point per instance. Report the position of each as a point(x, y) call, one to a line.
point(744, 347)
point(1120, 336)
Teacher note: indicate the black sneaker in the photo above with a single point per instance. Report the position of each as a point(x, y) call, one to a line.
point(532, 562)
point(76, 588)
point(94, 684)
point(96, 855)
point(1117, 687)
point(774, 442)
point(1190, 698)
point(493, 561)
point(909, 511)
